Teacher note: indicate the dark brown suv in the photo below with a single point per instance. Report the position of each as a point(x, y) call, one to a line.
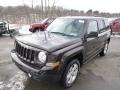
point(60, 51)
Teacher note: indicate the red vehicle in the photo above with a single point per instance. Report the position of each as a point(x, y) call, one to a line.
point(115, 25)
point(42, 25)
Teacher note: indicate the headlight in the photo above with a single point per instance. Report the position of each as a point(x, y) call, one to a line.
point(42, 57)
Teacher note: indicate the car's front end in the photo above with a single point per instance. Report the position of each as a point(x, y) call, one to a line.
point(34, 61)
point(3, 27)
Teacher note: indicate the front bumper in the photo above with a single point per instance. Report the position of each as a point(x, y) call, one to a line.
point(45, 71)
point(2, 31)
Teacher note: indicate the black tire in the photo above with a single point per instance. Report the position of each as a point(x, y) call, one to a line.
point(0, 34)
point(64, 81)
point(105, 49)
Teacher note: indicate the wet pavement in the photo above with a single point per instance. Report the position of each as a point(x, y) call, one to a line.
point(102, 73)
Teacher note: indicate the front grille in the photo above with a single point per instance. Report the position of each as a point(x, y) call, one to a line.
point(26, 53)
point(2, 26)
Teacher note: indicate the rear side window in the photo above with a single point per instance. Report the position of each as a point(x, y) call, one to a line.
point(117, 21)
point(92, 27)
point(106, 22)
point(101, 25)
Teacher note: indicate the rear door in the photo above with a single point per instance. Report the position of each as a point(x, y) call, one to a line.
point(102, 36)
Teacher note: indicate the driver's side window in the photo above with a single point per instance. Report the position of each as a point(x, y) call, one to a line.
point(92, 26)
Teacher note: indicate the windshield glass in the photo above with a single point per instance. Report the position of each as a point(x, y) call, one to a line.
point(66, 26)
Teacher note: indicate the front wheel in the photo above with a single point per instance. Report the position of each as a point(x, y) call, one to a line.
point(0, 34)
point(71, 73)
point(104, 51)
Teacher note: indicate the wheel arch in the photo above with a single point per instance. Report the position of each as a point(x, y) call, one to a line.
point(108, 40)
point(77, 53)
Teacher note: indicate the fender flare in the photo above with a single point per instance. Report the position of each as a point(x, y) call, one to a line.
point(68, 55)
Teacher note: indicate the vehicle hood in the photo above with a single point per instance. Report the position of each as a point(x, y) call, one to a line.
point(36, 24)
point(53, 42)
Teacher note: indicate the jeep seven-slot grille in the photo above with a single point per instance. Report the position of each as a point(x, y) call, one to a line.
point(26, 52)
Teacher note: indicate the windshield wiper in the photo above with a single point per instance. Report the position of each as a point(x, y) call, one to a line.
point(58, 33)
point(63, 34)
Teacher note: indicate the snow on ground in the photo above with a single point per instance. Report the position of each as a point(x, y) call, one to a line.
point(14, 26)
point(15, 83)
point(21, 29)
point(1, 83)
point(115, 36)
point(24, 29)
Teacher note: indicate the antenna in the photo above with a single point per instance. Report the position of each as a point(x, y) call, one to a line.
point(45, 35)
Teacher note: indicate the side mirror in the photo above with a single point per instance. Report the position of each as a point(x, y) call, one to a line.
point(46, 23)
point(92, 34)
point(115, 23)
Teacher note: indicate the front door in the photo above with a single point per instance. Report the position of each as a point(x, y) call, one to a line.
point(91, 42)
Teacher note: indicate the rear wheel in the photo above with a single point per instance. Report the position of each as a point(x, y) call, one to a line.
point(71, 73)
point(104, 51)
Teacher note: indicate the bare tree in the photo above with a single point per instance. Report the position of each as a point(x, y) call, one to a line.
point(42, 7)
point(53, 7)
point(24, 14)
point(89, 12)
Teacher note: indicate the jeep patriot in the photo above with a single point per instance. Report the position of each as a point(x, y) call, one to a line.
point(62, 49)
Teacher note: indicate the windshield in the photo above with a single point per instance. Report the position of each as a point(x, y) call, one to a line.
point(66, 26)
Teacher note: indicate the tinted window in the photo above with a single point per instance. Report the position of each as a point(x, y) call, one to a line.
point(101, 24)
point(92, 27)
point(117, 21)
point(106, 22)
